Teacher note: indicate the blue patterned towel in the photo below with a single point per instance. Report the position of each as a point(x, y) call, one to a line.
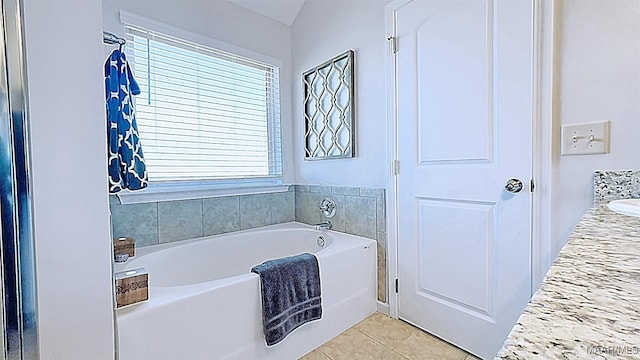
point(127, 169)
point(290, 294)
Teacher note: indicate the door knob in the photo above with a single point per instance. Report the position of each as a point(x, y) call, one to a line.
point(514, 185)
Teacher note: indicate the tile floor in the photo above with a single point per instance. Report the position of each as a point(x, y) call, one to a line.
point(380, 337)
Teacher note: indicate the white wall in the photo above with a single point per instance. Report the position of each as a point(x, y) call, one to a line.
point(597, 78)
point(227, 22)
point(68, 142)
point(322, 30)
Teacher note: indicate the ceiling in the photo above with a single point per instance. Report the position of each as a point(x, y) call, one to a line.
point(284, 11)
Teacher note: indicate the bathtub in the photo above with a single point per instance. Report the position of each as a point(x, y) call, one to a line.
point(204, 303)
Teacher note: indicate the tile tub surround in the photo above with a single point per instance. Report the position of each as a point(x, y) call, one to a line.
point(360, 211)
point(613, 185)
point(587, 306)
point(161, 222)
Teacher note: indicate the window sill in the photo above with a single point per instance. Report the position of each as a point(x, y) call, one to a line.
point(182, 192)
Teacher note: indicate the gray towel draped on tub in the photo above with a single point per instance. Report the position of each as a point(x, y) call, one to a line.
point(290, 289)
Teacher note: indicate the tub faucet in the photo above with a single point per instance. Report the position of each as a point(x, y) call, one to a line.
point(325, 225)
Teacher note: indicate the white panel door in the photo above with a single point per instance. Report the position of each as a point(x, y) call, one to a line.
point(464, 96)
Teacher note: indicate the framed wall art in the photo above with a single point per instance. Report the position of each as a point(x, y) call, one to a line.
point(329, 109)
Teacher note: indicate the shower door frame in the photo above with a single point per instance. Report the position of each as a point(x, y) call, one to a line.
point(18, 307)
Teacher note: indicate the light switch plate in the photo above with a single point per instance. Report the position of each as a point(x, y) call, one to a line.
point(585, 139)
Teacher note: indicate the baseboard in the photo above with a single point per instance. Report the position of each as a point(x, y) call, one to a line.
point(383, 308)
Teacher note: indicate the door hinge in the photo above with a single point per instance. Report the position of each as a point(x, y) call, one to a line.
point(396, 167)
point(394, 43)
point(396, 285)
point(532, 185)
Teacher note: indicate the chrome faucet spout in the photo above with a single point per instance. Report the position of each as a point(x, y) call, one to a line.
point(325, 225)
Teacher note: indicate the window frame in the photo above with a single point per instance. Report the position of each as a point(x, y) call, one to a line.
point(190, 189)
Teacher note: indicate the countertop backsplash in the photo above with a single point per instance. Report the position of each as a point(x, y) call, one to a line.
point(612, 185)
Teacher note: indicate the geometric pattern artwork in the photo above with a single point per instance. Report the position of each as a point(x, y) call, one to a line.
point(328, 109)
point(126, 166)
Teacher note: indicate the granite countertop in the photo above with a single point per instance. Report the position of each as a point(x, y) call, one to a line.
point(588, 306)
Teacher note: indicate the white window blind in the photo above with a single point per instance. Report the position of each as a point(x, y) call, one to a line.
point(204, 114)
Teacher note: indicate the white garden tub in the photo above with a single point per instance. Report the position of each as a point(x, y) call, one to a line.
point(204, 303)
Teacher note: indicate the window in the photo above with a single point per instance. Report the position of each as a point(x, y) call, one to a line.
point(204, 114)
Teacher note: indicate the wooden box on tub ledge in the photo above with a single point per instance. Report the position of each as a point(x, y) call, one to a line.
point(124, 245)
point(132, 287)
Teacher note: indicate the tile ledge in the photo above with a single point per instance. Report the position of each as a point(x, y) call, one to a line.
point(194, 192)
